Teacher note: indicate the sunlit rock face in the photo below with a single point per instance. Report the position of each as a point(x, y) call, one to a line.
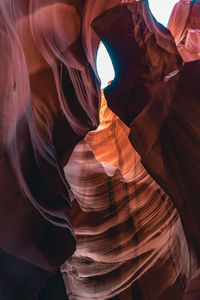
point(185, 27)
point(130, 241)
point(168, 144)
point(127, 229)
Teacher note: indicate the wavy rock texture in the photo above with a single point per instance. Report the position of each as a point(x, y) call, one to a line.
point(161, 110)
point(130, 240)
point(125, 225)
point(184, 25)
point(187, 37)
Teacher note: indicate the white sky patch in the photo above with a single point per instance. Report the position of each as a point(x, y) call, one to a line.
point(161, 9)
point(104, 66)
